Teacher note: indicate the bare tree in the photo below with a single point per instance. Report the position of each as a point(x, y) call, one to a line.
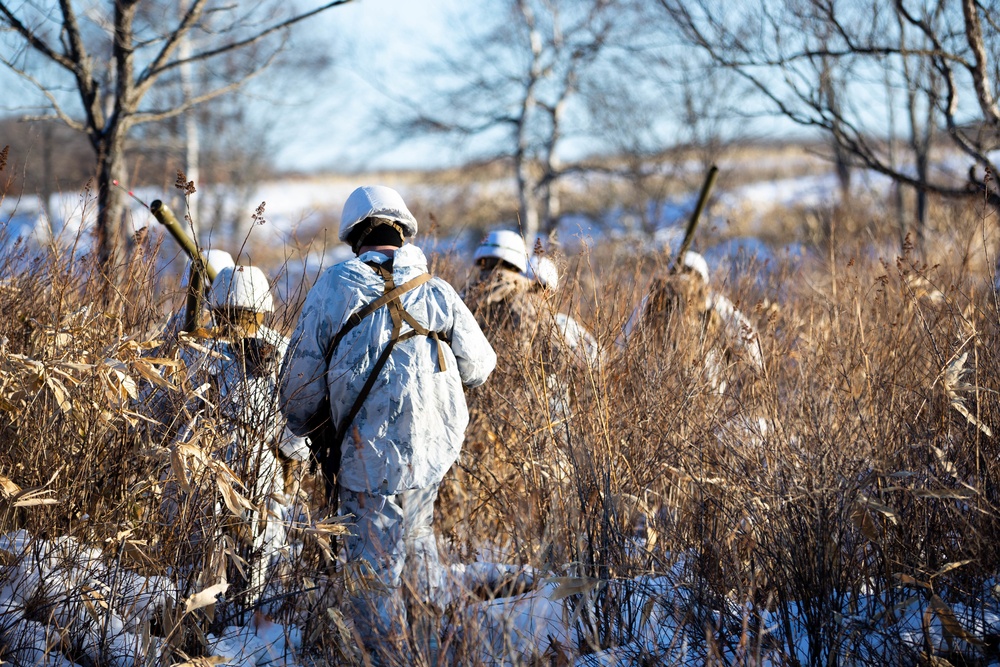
point(923, 95)
point(937, 51)
point(665, 119)
point(97, 65)
point(831, 90)
point(515, 86)
point(232, 140)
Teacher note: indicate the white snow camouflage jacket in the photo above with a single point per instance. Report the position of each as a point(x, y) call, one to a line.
point(247, 398)
point(412, 424)
point(741, 334)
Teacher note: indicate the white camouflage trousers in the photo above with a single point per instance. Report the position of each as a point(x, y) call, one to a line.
point(393, 536)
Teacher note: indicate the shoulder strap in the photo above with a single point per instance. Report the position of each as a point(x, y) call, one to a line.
point(391, 294)
point(398, 315)
point(391, 298)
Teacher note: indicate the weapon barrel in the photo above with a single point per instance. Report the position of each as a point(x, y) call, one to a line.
point(167, 218)
point(706, 189)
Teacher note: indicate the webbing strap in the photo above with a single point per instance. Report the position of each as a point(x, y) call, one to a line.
point(397, 312)
point(421, 331)
point(398, 315)
point(391, 294)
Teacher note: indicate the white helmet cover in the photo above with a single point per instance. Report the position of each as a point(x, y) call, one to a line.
point(543, 270)
point(243, 287)
point(375, 201)
point(216, 259)
point(696, 263)
point(506, 245)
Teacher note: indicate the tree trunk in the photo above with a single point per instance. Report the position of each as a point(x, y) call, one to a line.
point(923, 166)
point(48, 180)
point(192, 141)
point(527, 206)
point(110, 203)
point(843, 164)
point(551, 210)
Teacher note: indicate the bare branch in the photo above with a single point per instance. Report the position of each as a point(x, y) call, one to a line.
point(191, 16)
point(33, 39)
point(82, 71)
point(187, 105)
point(153, 73)
point(790, 74)
point(119, 86)
point(980, 75)
point(44, 90)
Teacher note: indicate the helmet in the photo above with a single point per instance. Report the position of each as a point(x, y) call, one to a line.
point(375, 201)
point(244, 287)
point(216, 259)
point(506, 245)
point(544, 271)
point(695, 262)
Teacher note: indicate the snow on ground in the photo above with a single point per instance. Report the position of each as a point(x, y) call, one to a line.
point(294, 203)
point(82, 604)
point(816, 190)
point(291, 203)
point(663, 619)
point(61, 599)
point(821, 190)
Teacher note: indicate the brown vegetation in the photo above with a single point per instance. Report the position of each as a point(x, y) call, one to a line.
point(856, 476)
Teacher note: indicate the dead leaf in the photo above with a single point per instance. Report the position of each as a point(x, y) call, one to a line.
point(179, 469)
point(949, 567)
point(235, 502)
point(647, 611)
point(912, 582)
point(950, 622)
point(205, 661)
point(205, 597)
point(8, 487)
point(162, 361)
point(59, 393)
point(572, 586)
point(238, 561)
point(945, 494)
point(34, 498)
point(148, 371)
point(133, 552)
point(862, 518)
point(971, 418)
point(34, 502)
point(880, 507)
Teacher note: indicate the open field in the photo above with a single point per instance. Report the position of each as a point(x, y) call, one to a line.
point(840, 507)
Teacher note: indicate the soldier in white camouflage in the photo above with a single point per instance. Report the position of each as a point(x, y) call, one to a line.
point(499, 293)
point(244, 372)
point(385, 350)
point(681, 305)
point(569, 332)
point(230, 380)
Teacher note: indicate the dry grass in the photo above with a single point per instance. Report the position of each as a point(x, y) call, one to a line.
point(857, 477)
point(858, 472)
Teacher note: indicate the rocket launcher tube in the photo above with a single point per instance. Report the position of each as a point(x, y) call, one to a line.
point(167, 218)
point(706, 189)
point(199, 264)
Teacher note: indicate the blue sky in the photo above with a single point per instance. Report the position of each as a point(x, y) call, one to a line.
point(375, 43)
point(372, 42)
